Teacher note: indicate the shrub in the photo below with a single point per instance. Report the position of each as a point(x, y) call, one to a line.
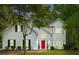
point(6, 48)
point(19, 47)
point(68, 46)
point(12, 48)
point(52, 48)
point(75, 48)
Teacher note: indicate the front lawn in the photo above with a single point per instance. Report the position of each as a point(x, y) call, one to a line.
point(50, 52)
point(53, 52)
point(41, 52)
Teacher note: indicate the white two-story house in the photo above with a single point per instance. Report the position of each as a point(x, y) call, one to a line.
point(40, 38)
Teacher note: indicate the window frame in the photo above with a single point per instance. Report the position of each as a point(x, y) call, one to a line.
point(18, 28)
point(56, 30)
point(9, 42)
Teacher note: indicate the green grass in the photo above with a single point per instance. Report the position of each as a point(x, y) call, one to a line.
point(53, 52)
point(42, 52)
point(50, 52)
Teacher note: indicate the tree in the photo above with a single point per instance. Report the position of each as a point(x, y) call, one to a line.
point(7, 16)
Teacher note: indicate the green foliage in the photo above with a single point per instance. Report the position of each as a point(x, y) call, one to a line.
point(39, 14)
point(66, 10)
point(7, 16)
point(38, 23)
point(70, 14)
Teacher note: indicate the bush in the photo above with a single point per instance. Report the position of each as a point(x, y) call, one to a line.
point(19, 47)
point(6, 48)
point(67, 47)
point(75, 48)
point(0, 45)
point(52, 48)
point(29, 48)
point(12, 48)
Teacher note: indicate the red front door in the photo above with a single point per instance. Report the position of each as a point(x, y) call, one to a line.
point(42, 44)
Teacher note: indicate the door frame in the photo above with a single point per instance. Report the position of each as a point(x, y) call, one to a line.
point(45, 45)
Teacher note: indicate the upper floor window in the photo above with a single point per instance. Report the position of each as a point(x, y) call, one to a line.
point(18, 28)
point(58, 30)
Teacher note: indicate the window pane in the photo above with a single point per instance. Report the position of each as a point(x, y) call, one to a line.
point(12, 42)
point(58, 30)
point(19, 28)
point(58, 44)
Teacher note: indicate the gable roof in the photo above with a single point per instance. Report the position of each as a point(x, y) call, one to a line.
point(7, 28)
point(14, 25)
point(48, 32)
point(58, 19)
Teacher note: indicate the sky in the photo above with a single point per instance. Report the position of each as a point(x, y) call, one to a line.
point(51, 5)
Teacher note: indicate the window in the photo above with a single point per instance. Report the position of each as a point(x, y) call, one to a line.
point(58, 44)
point(11, 43)
point(27, 44)
point(58, 30)
point(18, 28)
point(24, 43)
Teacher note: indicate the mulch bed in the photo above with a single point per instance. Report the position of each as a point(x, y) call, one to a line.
point(21, 52)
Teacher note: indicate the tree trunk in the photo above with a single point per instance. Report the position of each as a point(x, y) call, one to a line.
point(24, 36)
point(24, 44)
